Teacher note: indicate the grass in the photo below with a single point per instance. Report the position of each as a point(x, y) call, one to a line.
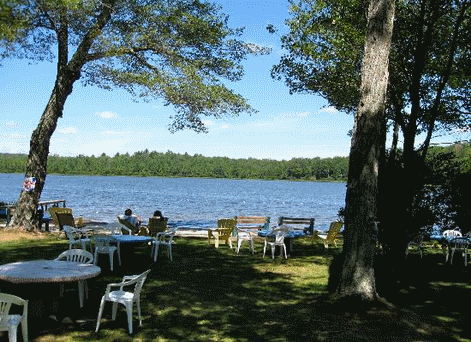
point(209, 294)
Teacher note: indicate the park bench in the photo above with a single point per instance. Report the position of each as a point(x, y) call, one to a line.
point(301, 223)
point(253, 222)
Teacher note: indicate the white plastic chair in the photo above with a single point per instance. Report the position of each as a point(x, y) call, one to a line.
point(461, 244)
point(242, 236)
point(75, 238)
point(163, 239)
point(449, 234)
point(117, 228)
point(9, 322)
point(278, 241)
point(103, 245)
point(79, 256)
point(126, 298)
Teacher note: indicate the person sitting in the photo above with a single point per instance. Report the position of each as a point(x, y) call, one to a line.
point(157, 223)
point(134, 220)
point(158, 215)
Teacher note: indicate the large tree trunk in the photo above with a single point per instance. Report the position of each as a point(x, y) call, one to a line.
point(357, 278)
point(25, 215)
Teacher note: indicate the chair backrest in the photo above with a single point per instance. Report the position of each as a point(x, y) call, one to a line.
point(70, 232)
point(157, 225)
point(76, 255)
point(53, 212)
point(334, 230)
point(6, 301)
point(452, 232)
point(280, 237)
point(65, 219)
point(136, 280)
point(140, 279)
point(228, 224)
point(102, 241)
point(116, 228)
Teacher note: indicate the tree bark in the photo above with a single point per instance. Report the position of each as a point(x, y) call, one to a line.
point(357, 278)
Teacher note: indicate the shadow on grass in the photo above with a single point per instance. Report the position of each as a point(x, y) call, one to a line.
point(209, 294)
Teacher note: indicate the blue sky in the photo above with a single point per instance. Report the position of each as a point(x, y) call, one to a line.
point(96, 121)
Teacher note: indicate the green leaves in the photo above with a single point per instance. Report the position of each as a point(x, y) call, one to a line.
point(180, 50)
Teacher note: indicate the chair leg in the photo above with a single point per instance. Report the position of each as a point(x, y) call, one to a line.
point(12, 333)
point(114, 311)
point(111, 260)
point(24, 328)
point(273, 247)
point(100, 313)
point(129, 314)
point(156, 251)
point(169, 251)
point(81, 291)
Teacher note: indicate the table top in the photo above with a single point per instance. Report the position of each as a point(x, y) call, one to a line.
point(47, 271)
point(288, 231)
point(132, 238)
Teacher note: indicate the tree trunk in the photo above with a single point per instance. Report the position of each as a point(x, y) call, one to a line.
point(357, 278)
point(25, 216)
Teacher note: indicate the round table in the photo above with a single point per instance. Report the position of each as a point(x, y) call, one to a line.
point(47, 271)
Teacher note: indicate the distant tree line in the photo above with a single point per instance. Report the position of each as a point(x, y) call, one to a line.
point(169, 164)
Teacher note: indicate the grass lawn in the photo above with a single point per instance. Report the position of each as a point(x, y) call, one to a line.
point(209, 294)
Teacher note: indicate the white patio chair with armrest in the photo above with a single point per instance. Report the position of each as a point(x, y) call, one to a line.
point(126, 298)
point(449, 234)
point(245, 235)
point(461, 244)
point(163, 239)
point(106, 244)
point(79, 256)
point(117, 228)
point(278, 241)
point(75, 238)
point(9, 322)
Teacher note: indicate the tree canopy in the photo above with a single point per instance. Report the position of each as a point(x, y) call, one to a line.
point(181, 51)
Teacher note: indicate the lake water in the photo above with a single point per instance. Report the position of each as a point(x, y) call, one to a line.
point(187, 201)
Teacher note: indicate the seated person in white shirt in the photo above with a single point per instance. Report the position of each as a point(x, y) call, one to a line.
point(132, 219)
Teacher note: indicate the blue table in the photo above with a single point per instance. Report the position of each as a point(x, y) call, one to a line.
point(446, 242)
point(127, 240)
point(290, 233)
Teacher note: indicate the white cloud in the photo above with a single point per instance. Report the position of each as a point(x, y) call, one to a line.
point(107, 115)
point(68, 130)
point(208, 122)
point(330, 110)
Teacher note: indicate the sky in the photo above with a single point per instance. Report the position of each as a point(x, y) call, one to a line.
point(97, 121)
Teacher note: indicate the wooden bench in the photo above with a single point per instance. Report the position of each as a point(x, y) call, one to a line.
point(306, 224)
point(253, 222)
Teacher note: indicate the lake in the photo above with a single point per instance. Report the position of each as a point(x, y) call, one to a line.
point(187, 201)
